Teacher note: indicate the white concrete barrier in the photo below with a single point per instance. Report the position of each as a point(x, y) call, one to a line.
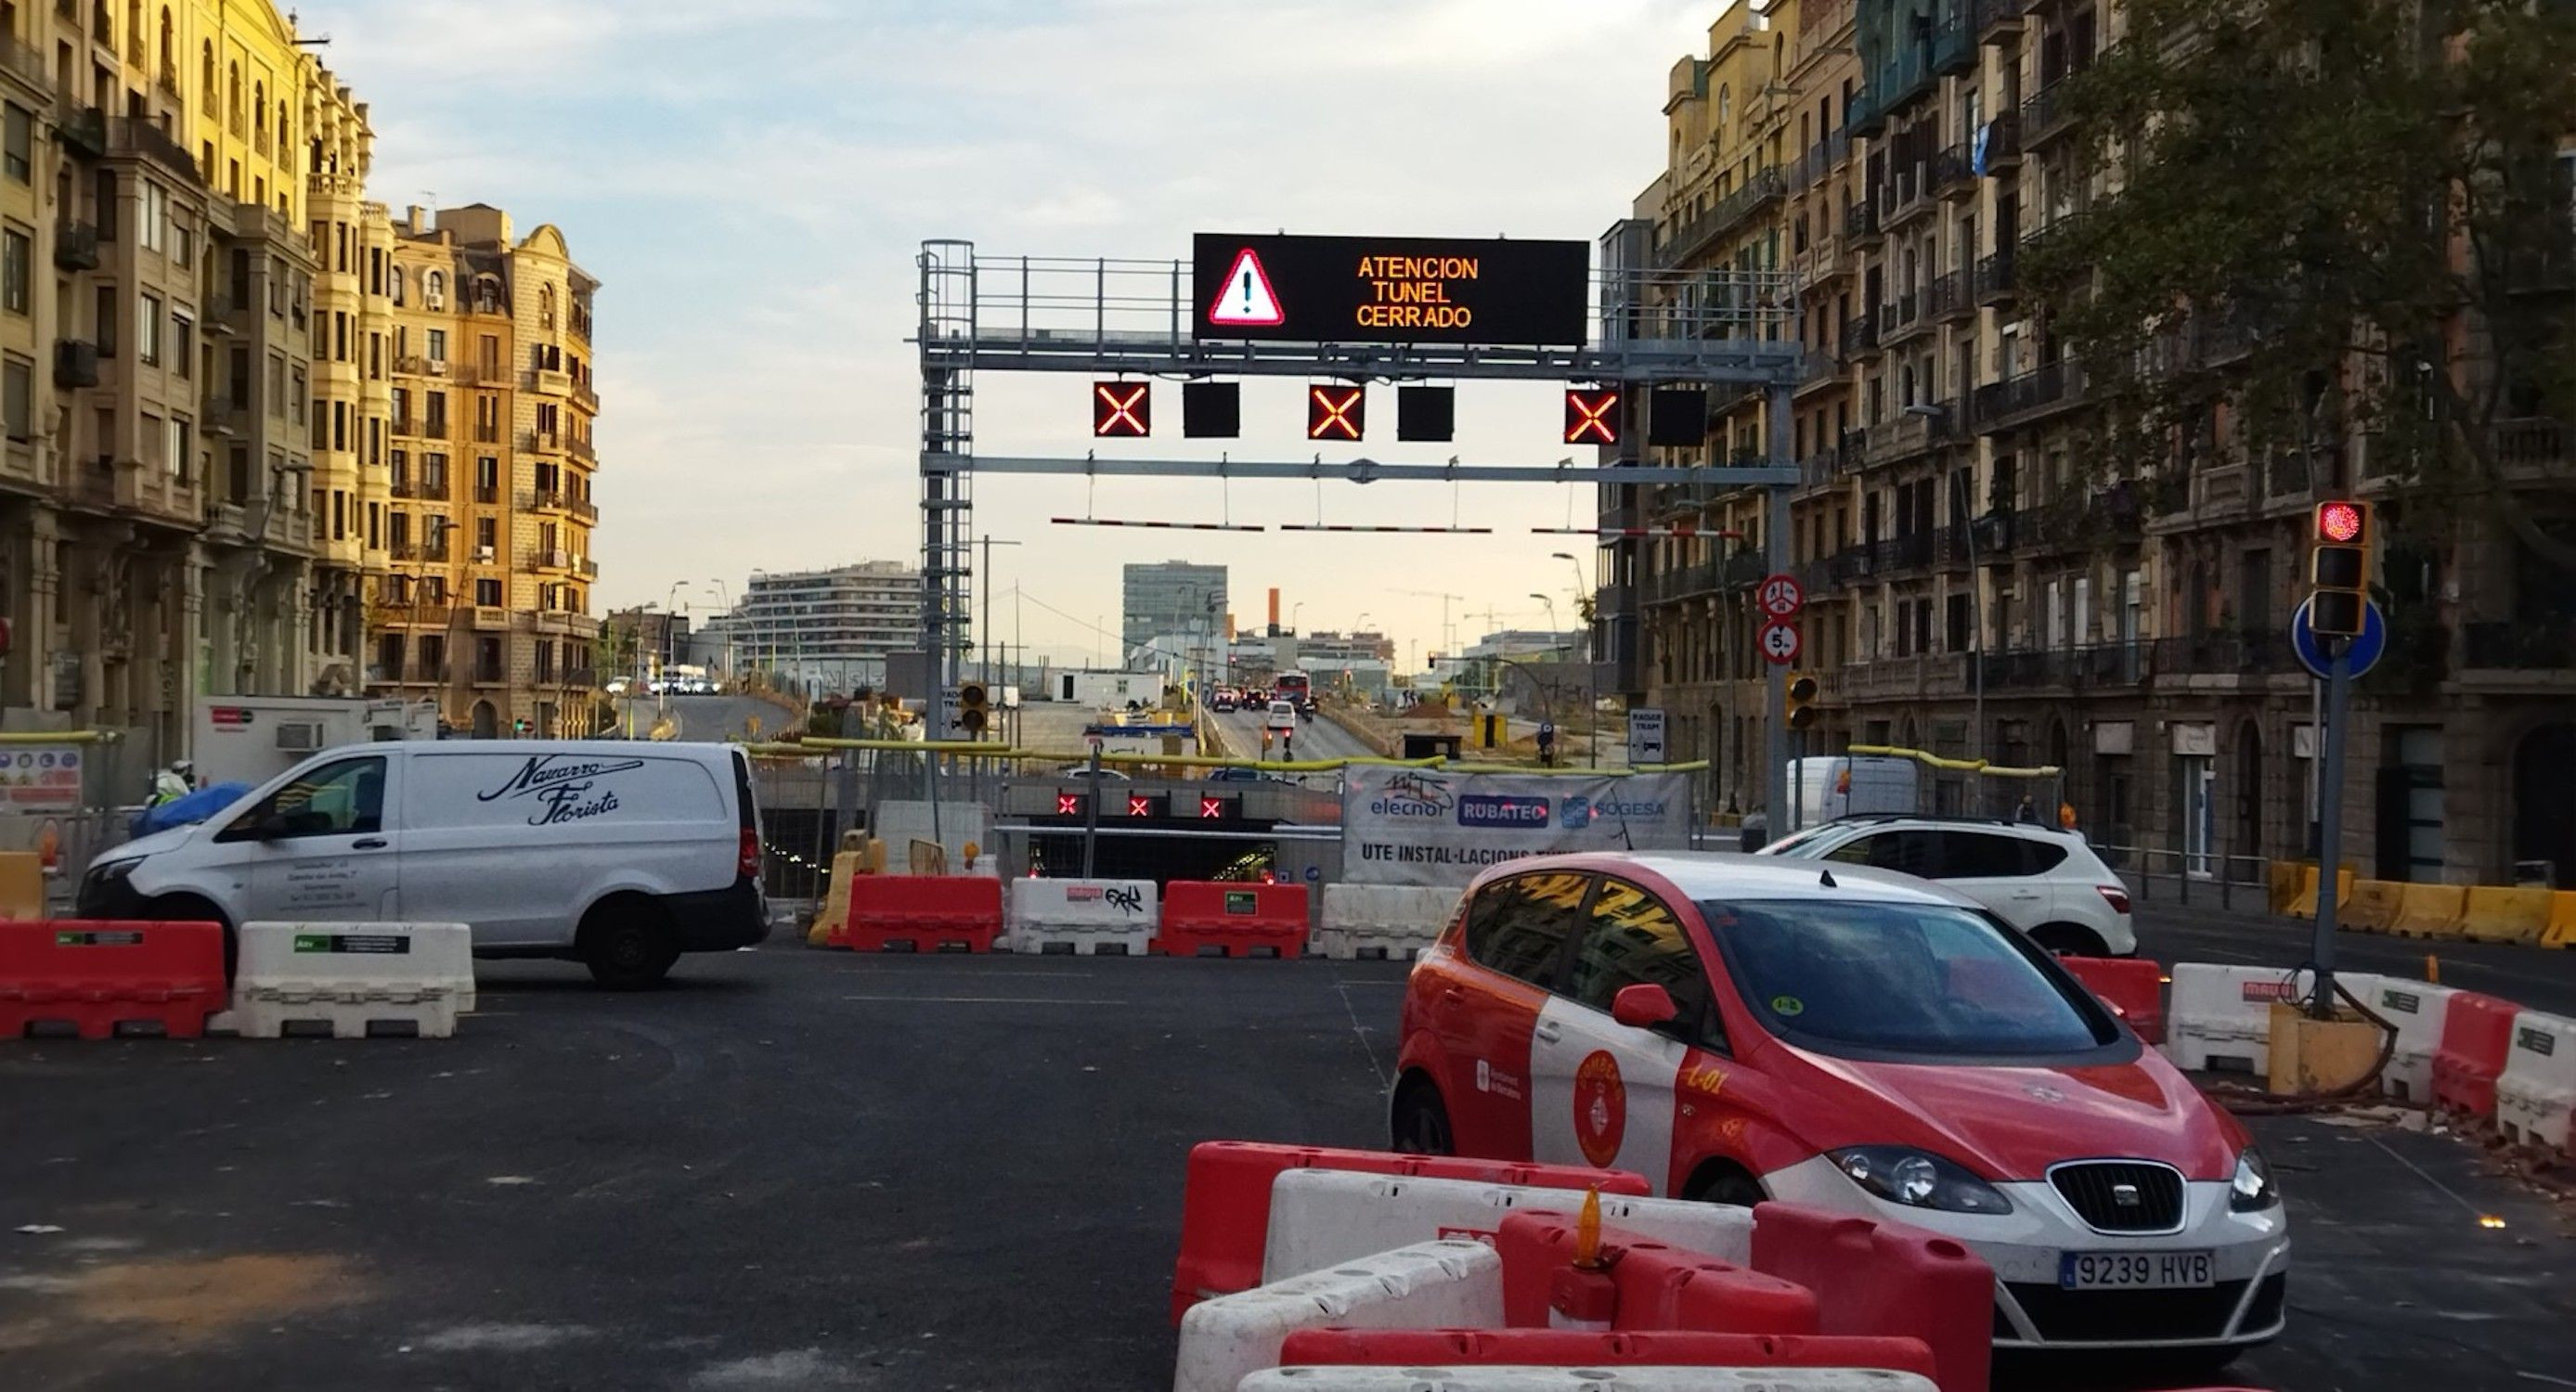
point(1513, 1378)
point(352, 977)
point(2222, 1016)
point(1320, 1218)
point(2536, 1093)
point(2417, 1009)
point(1082, 916)
point(1430, 1285)
point(1390, 921)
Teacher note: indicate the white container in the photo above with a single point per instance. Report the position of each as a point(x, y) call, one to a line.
point(1395, 922)
point(2417, 1009)
point(1431, 1285)
point(352, 977)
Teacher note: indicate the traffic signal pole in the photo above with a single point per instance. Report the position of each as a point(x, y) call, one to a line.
point(2330, 819)
point(1775, 693)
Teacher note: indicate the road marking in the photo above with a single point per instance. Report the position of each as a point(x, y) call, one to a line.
point(986, 1000)
point(1362, 1031)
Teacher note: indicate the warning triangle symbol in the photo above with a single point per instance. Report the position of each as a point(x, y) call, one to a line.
point(1246, 297)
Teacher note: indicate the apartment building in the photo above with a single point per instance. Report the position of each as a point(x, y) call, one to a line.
point(825, 630)
point(485, 528)
point(1977, 586)
point(351, 383)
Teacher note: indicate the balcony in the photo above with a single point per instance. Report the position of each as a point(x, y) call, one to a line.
point(2074, 668)
point(82, 129)
point(1947, 296)
point(403, 551)
point(585, 395)
point(1817, 370)
point(2249, 653)
point(1860, 335)
point(2029, 397)
point(2003, 142)
point(582, 449)
point(1994, 280)
point(488, 617)
point(1908, 193)
point(557, 559)
point(139, 138)
point(1901, 318)
point(1820, 469)
point(1861, 224)
point(1954, 40)
point(25, 64)
point(1918, 677)
point(1764, 187)
point(487, 495)
point(1954, 172)
point(75, 363)
point(2045, 115)
point(1996, 21)
point(541, 440)
point(1864, 114)
point(76, 246)
point(1916, 430)
point(2531, 448)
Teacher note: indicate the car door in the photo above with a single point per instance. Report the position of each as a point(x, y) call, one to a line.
point(1996, 870)
point(320, 848)
point(1486, 1015)
point(1604, 1092)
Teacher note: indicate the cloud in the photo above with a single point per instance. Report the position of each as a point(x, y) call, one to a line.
point(752, 183)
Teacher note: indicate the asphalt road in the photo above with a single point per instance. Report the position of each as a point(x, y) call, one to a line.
point(706, 718)
point(1318, 738)
point(810, 1170)
point(2170, 932)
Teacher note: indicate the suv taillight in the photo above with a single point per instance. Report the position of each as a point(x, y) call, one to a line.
point(749, 865)
point(2116, 897)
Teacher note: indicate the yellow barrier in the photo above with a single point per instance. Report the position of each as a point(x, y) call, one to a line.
point(2495, 914)
point(2562, 920)
point(2372, 905)
point(22, 886)
point(2303, 899)
point(2430, 911)
point(2284, 881)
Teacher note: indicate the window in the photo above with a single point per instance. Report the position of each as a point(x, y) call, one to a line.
point(17, 269)
point(1920, 982)
point(487, 479)
point(156, 217)
point(438, 345)
point(1520, 925)
point(487, 593)
point(1631, 938)
point(296, 394)
point(18, 145)
point(395, 278)
point(183, 343)
point(1977, 855)
point(276, 384)
point(147, 330)
point(433, 290)
point(344, 798)
point(1906, 852)
point(486, 533)
point(18, 398)
point(105, 320)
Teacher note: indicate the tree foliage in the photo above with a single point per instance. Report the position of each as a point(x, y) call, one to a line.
point(2314, 221)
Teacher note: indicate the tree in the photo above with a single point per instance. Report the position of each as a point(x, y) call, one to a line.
point(2323, 221)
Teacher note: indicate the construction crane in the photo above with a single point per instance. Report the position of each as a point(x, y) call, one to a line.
point(1448, 635)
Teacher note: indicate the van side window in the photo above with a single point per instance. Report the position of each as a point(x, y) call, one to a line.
point(343, 798)
point(1519, 926)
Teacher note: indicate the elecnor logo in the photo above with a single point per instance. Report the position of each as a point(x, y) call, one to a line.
point(1412, 795)
point(1501, 810)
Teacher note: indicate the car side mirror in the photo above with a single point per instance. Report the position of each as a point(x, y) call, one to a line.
point(1643, 1006)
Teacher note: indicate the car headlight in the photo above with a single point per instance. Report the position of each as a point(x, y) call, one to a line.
point(1918, 1179)
point(2252, 1188)
point(113, 872)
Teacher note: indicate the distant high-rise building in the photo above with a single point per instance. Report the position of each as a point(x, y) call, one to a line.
point(1171, 597)
point(826, 630)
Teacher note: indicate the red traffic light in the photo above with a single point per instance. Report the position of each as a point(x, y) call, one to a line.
point(1122, 409)
point(2341, 522)
point(1592, 416)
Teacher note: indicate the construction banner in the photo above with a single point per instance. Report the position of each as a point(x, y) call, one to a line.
point(1430, 827)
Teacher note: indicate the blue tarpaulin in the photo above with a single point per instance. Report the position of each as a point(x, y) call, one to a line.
point(189, 810)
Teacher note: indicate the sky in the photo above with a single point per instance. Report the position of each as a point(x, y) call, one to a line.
point(752, 181)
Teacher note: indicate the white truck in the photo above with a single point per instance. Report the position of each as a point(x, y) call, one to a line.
point(252, 739)
point(1844, 785)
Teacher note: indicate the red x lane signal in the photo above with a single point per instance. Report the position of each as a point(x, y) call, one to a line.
point(1123, 409)
point(1068, 804)
point(1336, 413)
point(1592, 416)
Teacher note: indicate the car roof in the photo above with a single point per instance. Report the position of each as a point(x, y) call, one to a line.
point(1870, 820)
point(1729, 875)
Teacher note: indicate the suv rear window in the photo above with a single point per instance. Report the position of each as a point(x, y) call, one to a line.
point(1519, 926)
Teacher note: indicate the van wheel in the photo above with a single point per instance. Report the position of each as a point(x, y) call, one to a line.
point(1418, 1122)
point(188, 908)
point(2069, 940)
point(627, 943)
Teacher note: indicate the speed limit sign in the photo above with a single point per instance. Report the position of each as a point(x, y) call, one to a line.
point(1779, 643)
point(1781, 596)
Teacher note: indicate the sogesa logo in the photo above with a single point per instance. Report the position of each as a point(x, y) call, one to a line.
point(1412, 795)
point(1578, 811)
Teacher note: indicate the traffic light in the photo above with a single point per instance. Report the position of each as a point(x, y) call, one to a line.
point(974, 708)
point(2339, 568)
point(1592, 415)
point(1802, 696)
point(1122, 409)
point(1336, 413)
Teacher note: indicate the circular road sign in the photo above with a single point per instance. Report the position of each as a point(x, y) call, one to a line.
point(1781, 596)
point(2367, 647)
point(1779, 643)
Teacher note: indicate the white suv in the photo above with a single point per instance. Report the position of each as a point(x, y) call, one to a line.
point(2046, 883)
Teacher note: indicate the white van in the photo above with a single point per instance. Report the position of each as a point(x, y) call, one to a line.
point(1827, 788)
point(619, 855)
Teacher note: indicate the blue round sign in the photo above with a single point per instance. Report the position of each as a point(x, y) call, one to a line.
point(2367, 647)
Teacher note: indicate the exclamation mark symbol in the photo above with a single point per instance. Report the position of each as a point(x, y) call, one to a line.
point(1247, 292)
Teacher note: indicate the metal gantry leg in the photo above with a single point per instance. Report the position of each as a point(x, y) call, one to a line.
point(947, 442)
point(1775, 685)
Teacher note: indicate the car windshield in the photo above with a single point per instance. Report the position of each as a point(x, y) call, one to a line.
point(1899, 981)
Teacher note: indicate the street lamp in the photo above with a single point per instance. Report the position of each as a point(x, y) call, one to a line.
point(1591, 659)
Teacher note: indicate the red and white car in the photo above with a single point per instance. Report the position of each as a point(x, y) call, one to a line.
point(1740, 1027)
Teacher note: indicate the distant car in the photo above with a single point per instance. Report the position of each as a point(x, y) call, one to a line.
point(1106, 775)
point(2045, 882)
point(616, 686)
point(1282, 718)
point(1242, 775)
point(1222, 702)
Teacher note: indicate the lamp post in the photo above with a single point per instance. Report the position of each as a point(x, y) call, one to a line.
point(1591, 661)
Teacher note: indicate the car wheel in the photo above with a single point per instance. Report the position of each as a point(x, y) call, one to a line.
point(1725, 1184)
point(628, 945)
point(2069, 940)
point(188, 908)
point(1419, 1124)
